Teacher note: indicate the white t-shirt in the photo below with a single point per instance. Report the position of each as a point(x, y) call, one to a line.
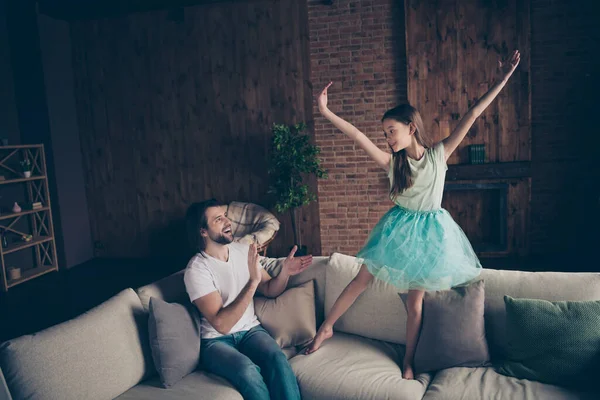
point(205, 274)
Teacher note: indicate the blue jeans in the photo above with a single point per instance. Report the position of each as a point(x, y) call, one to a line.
point(253, 362)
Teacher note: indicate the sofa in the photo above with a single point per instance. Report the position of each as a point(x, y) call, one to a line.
point(105, 354)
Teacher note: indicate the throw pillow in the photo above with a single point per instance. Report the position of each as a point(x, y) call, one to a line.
point(289, 318)
point(556, 342)
point(452, 330)
point(174, 339)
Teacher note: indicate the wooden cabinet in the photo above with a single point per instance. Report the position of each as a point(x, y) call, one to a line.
point(28, 234)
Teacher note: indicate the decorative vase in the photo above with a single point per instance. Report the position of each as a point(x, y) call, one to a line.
point(14, 273)
point(16, 208)
point(26, 174)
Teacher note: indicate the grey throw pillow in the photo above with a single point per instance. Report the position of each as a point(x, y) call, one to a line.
point(174, 339)
point(453, 329)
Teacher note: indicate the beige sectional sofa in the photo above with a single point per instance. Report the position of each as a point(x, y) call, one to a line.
point(105, 354)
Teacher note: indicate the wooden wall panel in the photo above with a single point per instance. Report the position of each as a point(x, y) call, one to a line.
point(452, 48)
point(494, 214)
point(177, 107)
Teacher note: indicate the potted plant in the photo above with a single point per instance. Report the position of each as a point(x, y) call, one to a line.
point(292, 157)
point(26, 167)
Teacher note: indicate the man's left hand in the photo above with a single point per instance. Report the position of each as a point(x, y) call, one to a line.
point(294, 265)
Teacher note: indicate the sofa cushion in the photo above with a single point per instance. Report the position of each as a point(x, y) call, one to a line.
point(353, 367)
point(174, 339)
point(553, 342)
point(453, 329)
point(551, 286)
point(485, 383)
point(289, 318)
point(98, 355)
point(197, 385)
point(378, 313)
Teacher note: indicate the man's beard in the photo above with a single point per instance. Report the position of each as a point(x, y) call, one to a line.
point(220, 238)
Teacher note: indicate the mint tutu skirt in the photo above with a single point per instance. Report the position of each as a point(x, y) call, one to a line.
point(424, 250)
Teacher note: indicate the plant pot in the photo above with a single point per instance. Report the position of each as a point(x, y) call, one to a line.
point(302, 251)
point(27, 174)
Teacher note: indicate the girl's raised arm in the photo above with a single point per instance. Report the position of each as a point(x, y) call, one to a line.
point(379, 156)
point(507, 68)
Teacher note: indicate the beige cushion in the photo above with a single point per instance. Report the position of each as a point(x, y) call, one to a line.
point(485, 383)
point(316, 272)
point(289, 318)
point(98, 355)
point(378, 313)
point(551, 286)
point(353, 367)
point(197, 385)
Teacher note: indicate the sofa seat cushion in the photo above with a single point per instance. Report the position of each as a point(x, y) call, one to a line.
point(198, 386)
point(486, 383)
point(353, 367)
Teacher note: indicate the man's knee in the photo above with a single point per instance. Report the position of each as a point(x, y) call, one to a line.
point(276, 360)
point(249, 373)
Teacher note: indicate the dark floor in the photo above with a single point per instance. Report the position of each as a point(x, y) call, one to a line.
point(59, 296)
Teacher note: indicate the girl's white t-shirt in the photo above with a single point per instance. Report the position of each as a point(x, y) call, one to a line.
point(429, 176)
point(205, 274)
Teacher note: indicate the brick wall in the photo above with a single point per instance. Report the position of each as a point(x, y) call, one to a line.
point(359, 45)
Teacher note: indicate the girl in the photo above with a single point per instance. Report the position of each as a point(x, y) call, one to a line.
point(416, 246)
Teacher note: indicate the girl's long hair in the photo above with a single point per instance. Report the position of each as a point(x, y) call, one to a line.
point(402, 177)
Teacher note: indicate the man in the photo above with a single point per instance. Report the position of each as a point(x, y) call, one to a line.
point(221, 280)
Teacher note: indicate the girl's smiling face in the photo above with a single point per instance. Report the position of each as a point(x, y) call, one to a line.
point(397, 134)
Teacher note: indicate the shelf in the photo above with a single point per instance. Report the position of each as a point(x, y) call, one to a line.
point(21, 146)
point(13, 215)
point(11, 248)
point(33, 178)
point(30, 274)
point(505, 170)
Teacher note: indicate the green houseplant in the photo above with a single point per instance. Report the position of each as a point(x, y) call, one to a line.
point(292, 157)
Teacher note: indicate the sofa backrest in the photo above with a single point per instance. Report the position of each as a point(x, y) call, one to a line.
point(379, 313)
point(97, 355)
point(551, 286)
point(172, 288)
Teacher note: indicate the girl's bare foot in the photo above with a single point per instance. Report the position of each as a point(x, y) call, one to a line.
point(407, 372)
point(324, 333)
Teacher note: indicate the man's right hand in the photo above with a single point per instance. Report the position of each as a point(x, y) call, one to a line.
point(253, 265)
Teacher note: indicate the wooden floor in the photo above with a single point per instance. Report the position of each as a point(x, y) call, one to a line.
point(59, 296)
